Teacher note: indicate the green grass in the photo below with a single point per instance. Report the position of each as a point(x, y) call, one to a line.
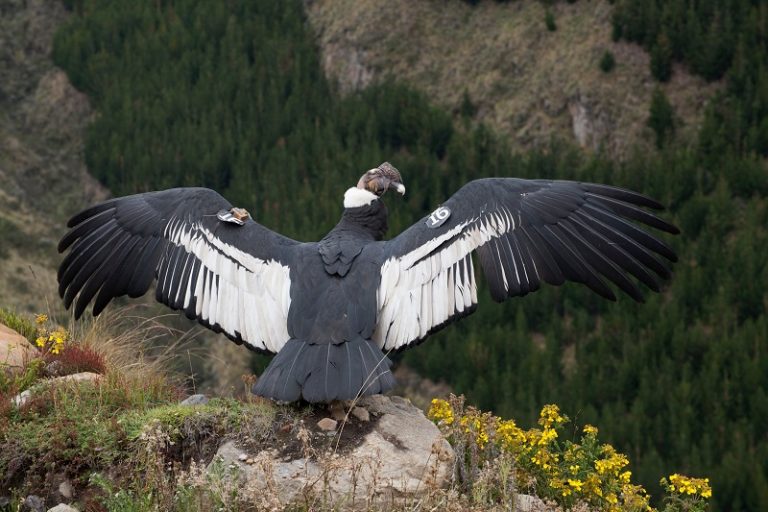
point(18, 323)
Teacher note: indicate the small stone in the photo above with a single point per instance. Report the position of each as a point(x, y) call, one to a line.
point(66, 489)
point(337, 411)
point(361, 414)
point(54, 369)
point(528, 503)
point(61, 507)
point(327, 424)
point(242, 457)
point(34, 503)
point(21, 399)
point(195, 400)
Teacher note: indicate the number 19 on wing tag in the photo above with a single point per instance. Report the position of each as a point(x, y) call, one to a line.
point(438, 217)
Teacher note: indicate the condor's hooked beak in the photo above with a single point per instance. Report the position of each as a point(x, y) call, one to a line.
point(399, 187)
point(381, 179)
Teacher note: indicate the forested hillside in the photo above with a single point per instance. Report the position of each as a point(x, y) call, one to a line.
point(232, 97)
point(533, 71)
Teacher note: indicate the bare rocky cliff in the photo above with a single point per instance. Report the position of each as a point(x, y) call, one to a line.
point(526, 81)
point(43, 178)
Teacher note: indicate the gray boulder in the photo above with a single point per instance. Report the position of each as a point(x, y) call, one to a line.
point(400, 456)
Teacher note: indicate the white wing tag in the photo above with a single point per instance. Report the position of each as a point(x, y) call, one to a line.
point(438, 217)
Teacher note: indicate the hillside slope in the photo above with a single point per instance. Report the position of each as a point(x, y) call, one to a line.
point(43, 178)
point(524, 80)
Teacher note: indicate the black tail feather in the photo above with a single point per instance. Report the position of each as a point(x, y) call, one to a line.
point(326, 372)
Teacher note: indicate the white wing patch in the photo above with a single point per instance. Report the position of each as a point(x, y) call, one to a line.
point(232, 289)
point(433, 283)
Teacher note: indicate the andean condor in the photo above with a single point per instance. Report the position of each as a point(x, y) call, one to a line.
point(331, 309)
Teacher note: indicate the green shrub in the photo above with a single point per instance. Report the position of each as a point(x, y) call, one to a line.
point(549, 21)
point(607, 62)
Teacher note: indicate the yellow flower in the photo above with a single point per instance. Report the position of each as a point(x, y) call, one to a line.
point(576, 484)
point(41, 318)
point(441, 411)
point(40, 341)
point(550, 414)
point(509, 434)
point(547, 436)
point(590, 430)
point(613, 463)
point(681, 484)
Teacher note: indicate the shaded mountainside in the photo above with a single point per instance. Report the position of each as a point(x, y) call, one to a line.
point(43, 178)
point(527, 82)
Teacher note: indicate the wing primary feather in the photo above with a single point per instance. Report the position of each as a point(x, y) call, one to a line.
point(90, 212)
point(76, 259)
point(82, 229)
point(550, 211)
point(569, 258)
point(601, 263)
point(85, 270)
point(633, 213)
point(627, 242)
point(622, 194)
point(629, 229)
point(616, 253)
point(113, 285)
point(122, 279)
point(547, 264)
point(96, 281)
point(146, 268)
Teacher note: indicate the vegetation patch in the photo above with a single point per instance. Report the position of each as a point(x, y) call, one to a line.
point(497, 459)
point(18, 323)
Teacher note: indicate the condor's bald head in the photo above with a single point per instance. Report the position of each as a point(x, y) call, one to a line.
point(381, 179)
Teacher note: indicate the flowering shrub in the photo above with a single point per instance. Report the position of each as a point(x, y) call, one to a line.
point(686, 493)
point(51, 341)
point(586, 472)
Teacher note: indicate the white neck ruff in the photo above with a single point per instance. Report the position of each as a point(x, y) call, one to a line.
point(355, 197)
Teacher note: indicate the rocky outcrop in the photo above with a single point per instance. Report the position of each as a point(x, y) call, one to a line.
point(15, 349)
point(400, 455)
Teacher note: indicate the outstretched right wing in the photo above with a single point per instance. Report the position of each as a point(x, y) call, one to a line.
point(233, 279)
point(524, 232)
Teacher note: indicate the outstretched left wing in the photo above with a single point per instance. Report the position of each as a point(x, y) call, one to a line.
point(525, 232)
point(232, 278)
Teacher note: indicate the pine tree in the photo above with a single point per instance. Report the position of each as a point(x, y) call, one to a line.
point(661, 117)
point(661, 59)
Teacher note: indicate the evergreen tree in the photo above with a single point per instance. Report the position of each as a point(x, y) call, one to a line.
point(661, 117)
point(661, 59)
